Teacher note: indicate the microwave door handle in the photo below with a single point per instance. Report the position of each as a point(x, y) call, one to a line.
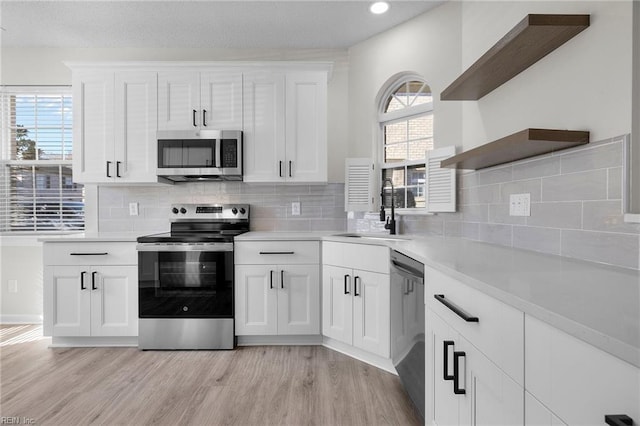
point(218, 153)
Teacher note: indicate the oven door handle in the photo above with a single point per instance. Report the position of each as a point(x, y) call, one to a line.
point(215, 247)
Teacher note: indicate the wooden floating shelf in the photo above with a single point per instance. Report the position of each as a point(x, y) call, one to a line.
point(532, 39)
point(518, 146)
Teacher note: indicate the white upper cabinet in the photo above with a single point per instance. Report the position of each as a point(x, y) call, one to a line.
point(203, 100)
point(285, 126)
point(115, 122)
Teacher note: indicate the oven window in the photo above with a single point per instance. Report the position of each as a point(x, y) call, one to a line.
point(188, 284)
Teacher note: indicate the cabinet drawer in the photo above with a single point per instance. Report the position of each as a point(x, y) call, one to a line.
point(276, 252)
point(356, 256)
point(90, 253)
point(499, 331)
point(577, 381)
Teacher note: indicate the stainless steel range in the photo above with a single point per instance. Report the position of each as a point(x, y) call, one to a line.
point(185, 278)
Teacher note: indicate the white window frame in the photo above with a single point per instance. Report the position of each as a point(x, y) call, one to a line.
point(385, 118)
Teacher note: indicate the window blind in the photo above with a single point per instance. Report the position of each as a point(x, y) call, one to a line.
point(37, 190)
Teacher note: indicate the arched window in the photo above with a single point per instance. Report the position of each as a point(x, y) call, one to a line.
point(406, 129)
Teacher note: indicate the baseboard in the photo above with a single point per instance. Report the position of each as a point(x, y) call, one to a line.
point(300, 340)
point(91, 342)
point(377, 361)
point(20, 319)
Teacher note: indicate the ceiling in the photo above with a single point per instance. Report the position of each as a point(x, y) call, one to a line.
point(230, 24)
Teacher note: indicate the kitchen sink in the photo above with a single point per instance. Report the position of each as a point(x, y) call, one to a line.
point(383, 237)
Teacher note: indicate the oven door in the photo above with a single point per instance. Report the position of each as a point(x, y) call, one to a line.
point(185, 280)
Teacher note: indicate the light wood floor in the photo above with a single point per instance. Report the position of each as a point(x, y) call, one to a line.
point(285, 385)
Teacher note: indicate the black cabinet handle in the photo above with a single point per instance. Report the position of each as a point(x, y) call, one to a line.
point(346, 277)
point(194, 118)
point(204, 117)
point(270, 279)
point(282, 278)
point(445, 357)
point(88, 254)
point(290, 168)
point(618, 420)
point(355, 286)
point(280, 168)
point(82, 287)
point(93, 280)
point(108, 166)
point(456, 372)
point(277, 252)
point(118, 168)
point(460, 312)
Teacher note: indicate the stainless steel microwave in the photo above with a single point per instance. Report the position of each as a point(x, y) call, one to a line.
point(196, 155)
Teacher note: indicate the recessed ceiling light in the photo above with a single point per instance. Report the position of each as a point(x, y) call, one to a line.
point(379, 7)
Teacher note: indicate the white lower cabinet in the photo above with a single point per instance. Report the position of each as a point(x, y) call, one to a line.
point(82, 299)
point(570, 381)
point(356, 302)
point(277, 299)
point(94, 300)
point(464, 386)
point(277, 288)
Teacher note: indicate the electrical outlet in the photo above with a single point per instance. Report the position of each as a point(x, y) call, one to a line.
point(520, 205)
point(133, 209)
point(295, 208)
point(13, 286)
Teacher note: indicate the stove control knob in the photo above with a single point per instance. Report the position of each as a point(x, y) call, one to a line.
point(183, 210)
point(174, 210)
point(234, 210)
point(242, 210)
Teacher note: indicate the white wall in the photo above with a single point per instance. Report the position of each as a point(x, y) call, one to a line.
point(45, 66)
point(21, 260)
point(428, 45)
point(635, 169)
point(583, 85)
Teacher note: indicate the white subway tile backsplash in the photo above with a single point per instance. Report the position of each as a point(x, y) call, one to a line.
point(576, 207)
point(605, 247)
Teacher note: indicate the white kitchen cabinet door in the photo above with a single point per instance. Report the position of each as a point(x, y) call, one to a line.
point(306, 127)
point(536, 414)
point(114, 300)
point(337, 303)
point(256, 300)
point(221, 100)
point(68, 293)
point(442, 404)
point(264, 127)
point(136, 123)
point(178, 100)
point(299, 299)
point(496, 399)
point(93, 126)
point(371, 322)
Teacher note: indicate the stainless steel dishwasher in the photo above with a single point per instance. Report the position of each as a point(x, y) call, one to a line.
point(407, 325)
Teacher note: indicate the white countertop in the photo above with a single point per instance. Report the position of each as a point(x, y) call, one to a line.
point(597, 303)
point(91, 236)
point(283, 236)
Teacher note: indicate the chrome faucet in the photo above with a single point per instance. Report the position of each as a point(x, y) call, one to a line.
point(390, 224)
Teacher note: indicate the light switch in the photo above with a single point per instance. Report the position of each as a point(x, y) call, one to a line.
point(520, 205)
point(133, 209)
point(295, 208)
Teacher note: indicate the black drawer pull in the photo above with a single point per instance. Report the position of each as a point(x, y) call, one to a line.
point(445, 345)
point(456, 373)
point(618, 420)
point(82, 286)
point(270, 279)
point(460, 312)
point(93, 280)
point(282, 278)
point(277, 252)
point(88, 254)
point(108, 165)
point(346, 277)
